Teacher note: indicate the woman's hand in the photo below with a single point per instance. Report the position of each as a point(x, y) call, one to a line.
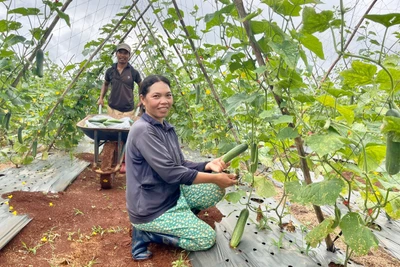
point(216, 165)
point(225, 180)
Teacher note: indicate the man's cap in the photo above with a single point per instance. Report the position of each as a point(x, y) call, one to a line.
point(124, 46)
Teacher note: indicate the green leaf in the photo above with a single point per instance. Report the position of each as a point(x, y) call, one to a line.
point(329, 101)
point(383, 79)
point(287, 133)
point(264, 157)
point(13, 97)
point(236, 100)
point(169, 24)
point(347, 113)
point(313, 22)
point(258, 27)
point(360, 74)
point(260, 70)
point(45, 155)
point(173, 14)
point(264, 187)
point(288, 50)
point(37, 33)
point(338, 92)
point(304, 98)
point(295, 189)
point(283, 119)
point(393, 206)
point(325, 144)
point(217, 18)
point(357, 236)
point(318, 233)
point(27, 160)
point(313, 44)
point(386, 20)
point(25, 11)
point(390, 123)
point(6, 25)
point(234, 197)
point(283, 7)
point(320, 193)
point(251, 15)
point(69, 67)
point(323, 193)
point(192, 32)
point(279, 176)
point(375, 154)
point(304, 2)
point(63, 16)
point(13, 39)
point(6, 53)
point(248, 178)
point(235, 162)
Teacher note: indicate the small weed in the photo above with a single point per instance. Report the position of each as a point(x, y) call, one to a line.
point(70, 235)
point(97, 230)
point(92, 262)
point(78, 212)
point(279, 243)
point(31, 249)
point(182, 261)
point(122, 187)
point(115, 230)
point(50, 237)
point(80, 236)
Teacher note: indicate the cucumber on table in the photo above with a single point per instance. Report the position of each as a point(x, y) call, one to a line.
point(114, 121)
point(101, 120)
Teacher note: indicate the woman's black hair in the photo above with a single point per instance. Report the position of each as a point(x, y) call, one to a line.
point(149, 81)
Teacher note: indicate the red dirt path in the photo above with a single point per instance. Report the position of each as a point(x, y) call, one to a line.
point(82, 226)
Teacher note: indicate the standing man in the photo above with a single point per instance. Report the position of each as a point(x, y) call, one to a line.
point(122, 77)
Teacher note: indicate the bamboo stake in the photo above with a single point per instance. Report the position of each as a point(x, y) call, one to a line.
point(213, 90)
point(169, 66)
point(174, 46)
point(40, 44)
point(81, 70)
point(347, 43)
point(131, 28)
point(298, 140)
point(80, 98)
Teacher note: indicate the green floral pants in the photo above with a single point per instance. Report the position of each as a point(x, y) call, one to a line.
point(193, 233)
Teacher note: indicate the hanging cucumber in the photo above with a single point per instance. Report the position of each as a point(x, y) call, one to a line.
point(6, 120)
point(34, 148)
point(253, 157)
point(234, 152)
point(39, 63)
point(392, 163)
point(338, 216)
point(20, 139)
point(239, 228)
point(197, 95)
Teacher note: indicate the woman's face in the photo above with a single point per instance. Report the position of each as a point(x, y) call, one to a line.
point(158, 101)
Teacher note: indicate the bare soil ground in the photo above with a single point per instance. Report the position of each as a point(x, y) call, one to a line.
point(83, 226)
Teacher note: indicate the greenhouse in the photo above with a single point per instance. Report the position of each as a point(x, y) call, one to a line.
point(288, 109)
